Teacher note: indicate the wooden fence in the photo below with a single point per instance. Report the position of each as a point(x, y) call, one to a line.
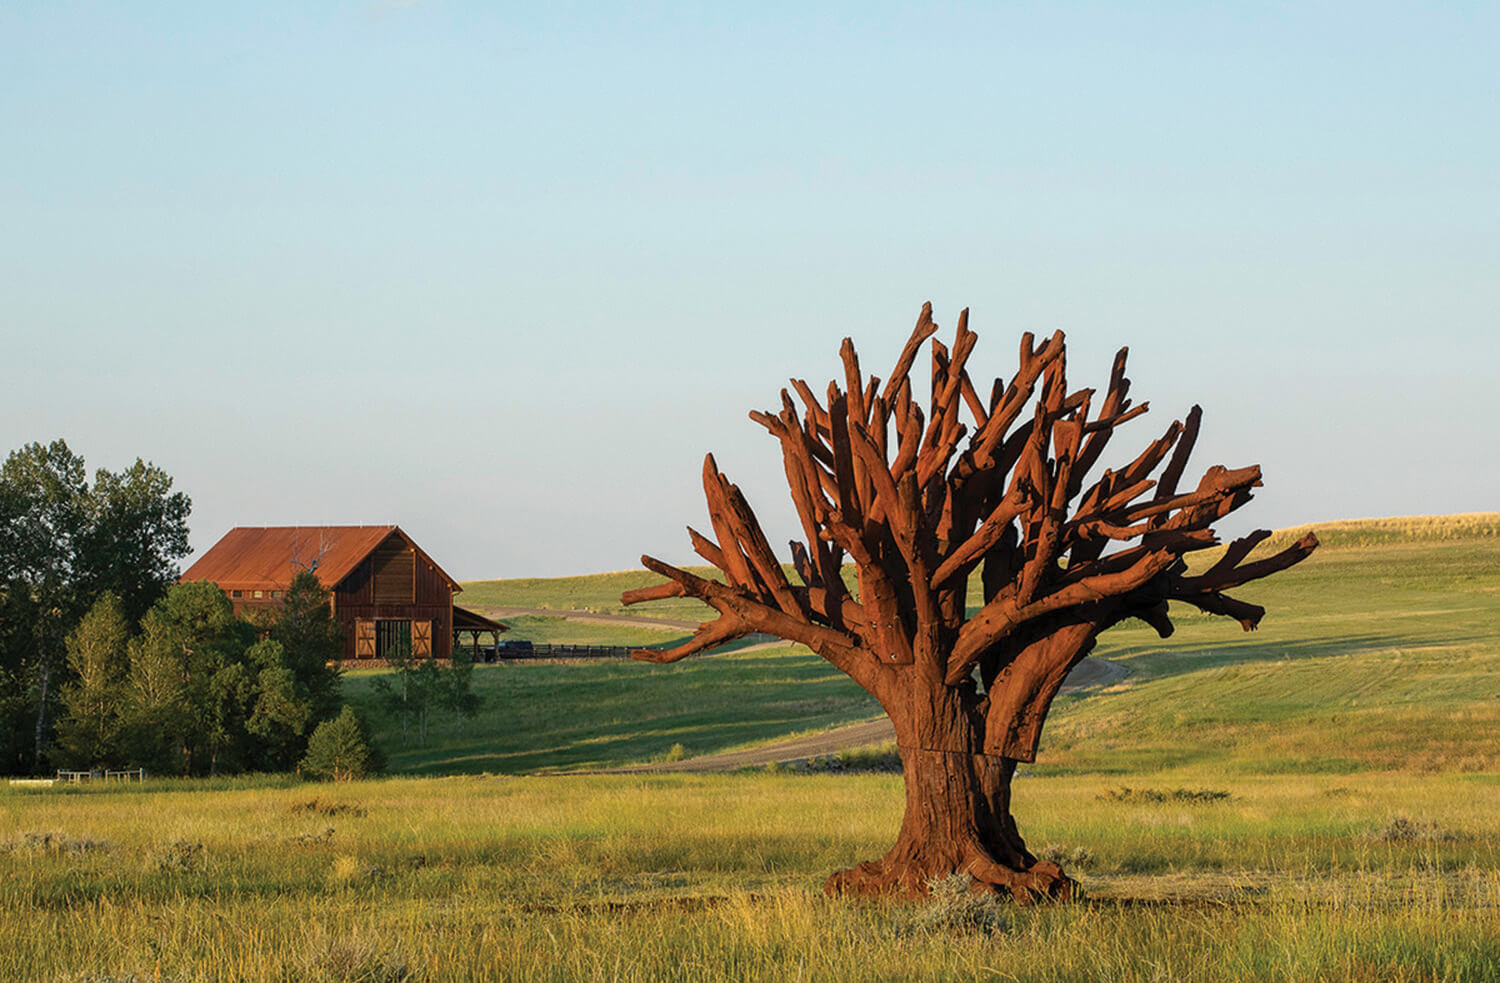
point(512, 651)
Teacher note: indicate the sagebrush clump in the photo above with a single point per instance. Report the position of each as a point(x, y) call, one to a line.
point(953, 905)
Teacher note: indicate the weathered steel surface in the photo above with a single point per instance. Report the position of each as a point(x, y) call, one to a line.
point(923, 501)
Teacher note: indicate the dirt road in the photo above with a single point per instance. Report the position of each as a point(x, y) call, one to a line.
point(1089, 672)
point(593, 618)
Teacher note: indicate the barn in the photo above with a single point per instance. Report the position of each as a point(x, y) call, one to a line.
point(390, 596)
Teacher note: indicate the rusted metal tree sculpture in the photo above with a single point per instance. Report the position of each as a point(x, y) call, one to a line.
point(920, 512)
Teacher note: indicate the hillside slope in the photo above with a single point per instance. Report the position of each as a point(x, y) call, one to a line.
point(1382, 651)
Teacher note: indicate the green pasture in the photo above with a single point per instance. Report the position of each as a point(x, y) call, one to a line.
point(557, 630)
point(694, 878)
point(1382, 656)
point(1318, 800)
point(596, 593)
point(607, 713)
point(1380, 652)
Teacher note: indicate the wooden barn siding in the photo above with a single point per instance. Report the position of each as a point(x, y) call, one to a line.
point(354, 598)
point(358, 589)
point(441, 617)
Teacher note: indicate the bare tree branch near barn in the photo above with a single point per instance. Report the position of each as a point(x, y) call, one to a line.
point(921, 503)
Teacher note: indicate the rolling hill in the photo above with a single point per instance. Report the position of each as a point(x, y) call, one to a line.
point(1380, 652)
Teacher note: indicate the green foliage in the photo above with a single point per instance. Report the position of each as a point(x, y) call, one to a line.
point(41, 519)
point(340, 749)
point(400, 694)
point(64, 543)
point(457, 684)
point(135, 527)
point(92, 718)
point(280, 716)
point(413, 689)
point(193, 693)
point(191, 689)
point(312, 641)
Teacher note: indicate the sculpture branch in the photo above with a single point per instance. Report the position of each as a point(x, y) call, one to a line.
point(920, 497)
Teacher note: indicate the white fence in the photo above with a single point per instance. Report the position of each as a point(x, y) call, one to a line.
point(126, 775)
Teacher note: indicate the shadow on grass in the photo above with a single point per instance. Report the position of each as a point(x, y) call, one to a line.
point(606, 714)
point(1170, 657)
point(600, 746)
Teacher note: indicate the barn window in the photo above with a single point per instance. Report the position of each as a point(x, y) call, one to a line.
point(393, 640)
point(239, 593)
point(259, 594)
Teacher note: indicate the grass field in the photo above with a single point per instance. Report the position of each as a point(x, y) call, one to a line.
point(563, 631)
point(608, 713)
point(1381, 651)
point(675, 877)
point(597, 593)
point(1339, 819)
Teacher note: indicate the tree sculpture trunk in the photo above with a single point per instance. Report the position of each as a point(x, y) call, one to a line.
point(957, 820)
point(920, 513)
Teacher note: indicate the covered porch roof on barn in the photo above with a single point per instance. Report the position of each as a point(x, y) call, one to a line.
point(262, 557)
point(466, 620)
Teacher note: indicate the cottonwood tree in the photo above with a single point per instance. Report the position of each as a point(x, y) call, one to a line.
point(91, 722)
point(187, 687)
point(982, 500)
point(63, 544)
point(193, 692)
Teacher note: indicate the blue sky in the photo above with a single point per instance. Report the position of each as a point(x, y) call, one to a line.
point(503, 273)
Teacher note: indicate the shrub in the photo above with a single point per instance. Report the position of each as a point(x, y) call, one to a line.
point(876, 758)
point(353, 957)
point(1079, 857)
point(53, 843)
point(318, 806)
point(1404, 829)
point(1187, 795)
point(954, 906)
point(179, 856)
point(340, 749)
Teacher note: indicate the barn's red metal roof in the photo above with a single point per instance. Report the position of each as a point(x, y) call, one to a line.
point(261, 557)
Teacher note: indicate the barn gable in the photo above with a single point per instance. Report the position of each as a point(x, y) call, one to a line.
point(390, 596)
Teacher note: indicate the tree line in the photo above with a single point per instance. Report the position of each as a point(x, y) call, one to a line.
point(107, 662)
point(193, 690)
